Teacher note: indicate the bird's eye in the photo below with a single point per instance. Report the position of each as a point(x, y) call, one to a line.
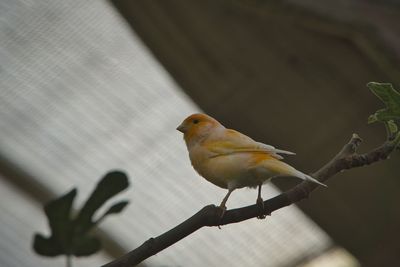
point(196, 121)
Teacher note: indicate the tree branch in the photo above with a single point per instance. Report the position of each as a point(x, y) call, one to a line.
point(347, 158)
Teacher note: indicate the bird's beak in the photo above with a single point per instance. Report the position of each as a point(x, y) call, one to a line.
point(181, 128)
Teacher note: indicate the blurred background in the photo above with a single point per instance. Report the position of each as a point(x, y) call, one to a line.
point(89, 86)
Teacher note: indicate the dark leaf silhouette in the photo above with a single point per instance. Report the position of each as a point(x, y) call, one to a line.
point(71, 235)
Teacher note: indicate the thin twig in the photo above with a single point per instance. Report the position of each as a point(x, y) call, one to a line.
point(347, 158)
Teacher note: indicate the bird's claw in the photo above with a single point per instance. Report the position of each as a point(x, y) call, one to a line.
point(260, 204)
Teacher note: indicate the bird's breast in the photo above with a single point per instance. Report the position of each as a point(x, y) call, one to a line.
point(233, 170)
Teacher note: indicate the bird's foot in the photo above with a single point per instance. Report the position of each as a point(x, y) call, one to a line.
point(222, 209)
point(260, 204)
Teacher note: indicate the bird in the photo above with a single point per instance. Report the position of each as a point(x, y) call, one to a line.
point(232, 160)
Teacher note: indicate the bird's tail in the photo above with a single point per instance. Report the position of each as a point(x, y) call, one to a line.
point(309, 178)
point(283, 169)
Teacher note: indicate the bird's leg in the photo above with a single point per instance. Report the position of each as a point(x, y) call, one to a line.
point(222, 206)
point(260, 203)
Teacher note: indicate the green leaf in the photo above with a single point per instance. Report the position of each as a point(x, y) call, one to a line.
point(396, 140)
point(58, 212)
point(390, 97)
point(111, 184)
point(86, 245)
point(372, 118)
point(70, 236)
point(114, 209)
point(392, 126)
point(47, 246)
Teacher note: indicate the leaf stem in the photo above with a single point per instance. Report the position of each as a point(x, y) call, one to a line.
point(68, 260)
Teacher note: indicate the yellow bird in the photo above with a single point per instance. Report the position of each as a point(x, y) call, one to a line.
point(230, 159)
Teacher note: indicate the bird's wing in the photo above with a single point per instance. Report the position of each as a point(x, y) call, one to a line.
point(235, 142)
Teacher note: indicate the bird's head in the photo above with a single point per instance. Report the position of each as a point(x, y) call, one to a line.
point(198, 126)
